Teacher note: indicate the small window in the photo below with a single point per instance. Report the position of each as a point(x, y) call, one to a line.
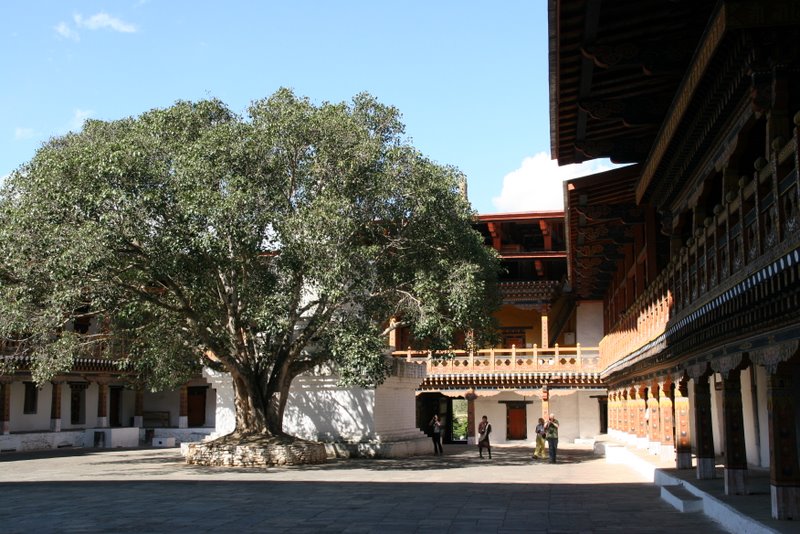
point(31, 398)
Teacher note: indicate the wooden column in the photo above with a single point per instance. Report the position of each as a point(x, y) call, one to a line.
point(667, 428)
point(613, 410)
point(55, 406)
point(735, 450)
point(702, 424)
point(683, 436)
point(138, 408)
point(545, 333)
point(470, 396)
point(784, 465)
point(654, 419)
point(782, 363)
point(545, 402)
point(630, 412)
point(102, 402)
point(183, 414)
point(641, 415)
point(5, 406)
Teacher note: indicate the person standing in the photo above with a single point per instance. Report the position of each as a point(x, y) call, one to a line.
point(540, 436)
point(436, 426)
point(484, 429)
point(551, 433)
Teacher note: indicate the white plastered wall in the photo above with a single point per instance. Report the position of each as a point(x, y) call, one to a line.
point(589, 322)
point(319, 409)
point(22, 422)
point(163, 401)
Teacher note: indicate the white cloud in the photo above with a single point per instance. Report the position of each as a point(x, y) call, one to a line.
point(66, 32)
point(79, 116)
point(98, 21)
point(537, 185)
point(104, 21)
point(23, 133)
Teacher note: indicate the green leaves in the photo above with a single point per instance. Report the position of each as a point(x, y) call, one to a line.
point(192, 235)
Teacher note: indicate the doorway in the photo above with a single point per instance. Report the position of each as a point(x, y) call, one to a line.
point(516, 421)
point(196, 406)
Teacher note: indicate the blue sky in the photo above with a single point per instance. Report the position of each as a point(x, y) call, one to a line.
point(469, 77)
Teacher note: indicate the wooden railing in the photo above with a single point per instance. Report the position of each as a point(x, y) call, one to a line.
point(757, 225)
point(513, 360)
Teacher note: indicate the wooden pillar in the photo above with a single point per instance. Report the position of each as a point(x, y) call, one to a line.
point(613, 410)
point(545, 333)
point(784, 465)
point(183, 413)
point(5, 407)
point(471, 424)
point(138, 408)
point(630, 413)
point(735, 450)
point(545, 402)
point(702, 423)
point(102, 402)
point(55, 406)
point(654, 419)
point(683, 436)
point(667, 429)
point(640, 406)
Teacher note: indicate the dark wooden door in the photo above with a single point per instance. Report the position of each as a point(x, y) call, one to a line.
point(196, 406)
point(516, 422)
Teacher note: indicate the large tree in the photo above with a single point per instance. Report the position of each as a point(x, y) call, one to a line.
point(264, 244)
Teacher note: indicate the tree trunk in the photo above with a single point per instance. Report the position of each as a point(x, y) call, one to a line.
point(260, 401)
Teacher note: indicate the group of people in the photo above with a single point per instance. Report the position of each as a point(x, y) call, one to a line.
point(545, 430)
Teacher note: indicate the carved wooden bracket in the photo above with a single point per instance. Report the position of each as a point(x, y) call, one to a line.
point(771, 356)
point(697, 370)
point(726, 364)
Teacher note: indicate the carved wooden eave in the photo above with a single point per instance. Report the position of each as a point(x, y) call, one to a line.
point(614, 66)
point(601, 216)
point(511, 381)
point(80, 366)
point(529, 292)
point(721, 77)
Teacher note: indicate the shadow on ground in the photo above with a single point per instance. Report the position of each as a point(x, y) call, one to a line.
point(275, 506)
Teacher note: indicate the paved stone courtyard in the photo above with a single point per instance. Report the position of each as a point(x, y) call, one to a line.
point(152, 490)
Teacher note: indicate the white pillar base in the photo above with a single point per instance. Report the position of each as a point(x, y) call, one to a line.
point(785, 502)
point(5, 428)
point(683, 460)
point(138, 421)
point(102, 422)
point(705, 468)
point(183, 421)
point(735, 481)
point(55, 425)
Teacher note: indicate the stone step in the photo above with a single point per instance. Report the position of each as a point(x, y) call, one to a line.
point(682, 499)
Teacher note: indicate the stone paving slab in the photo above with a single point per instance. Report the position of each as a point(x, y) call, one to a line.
point(152, 490)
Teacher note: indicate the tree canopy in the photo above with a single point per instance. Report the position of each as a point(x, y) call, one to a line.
point(265, 244)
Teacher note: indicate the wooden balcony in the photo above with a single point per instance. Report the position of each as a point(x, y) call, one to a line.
point(737, 272)
point(492, 361)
